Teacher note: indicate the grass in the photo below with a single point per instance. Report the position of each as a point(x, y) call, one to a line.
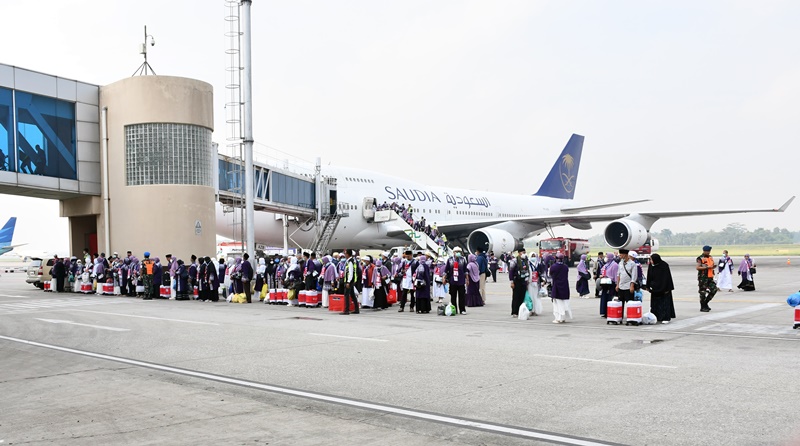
point(733, 250)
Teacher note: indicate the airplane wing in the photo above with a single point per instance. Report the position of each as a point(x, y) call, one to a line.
point(462, 228)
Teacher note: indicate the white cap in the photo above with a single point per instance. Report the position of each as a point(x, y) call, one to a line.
point(457, 248)
point(632, 254)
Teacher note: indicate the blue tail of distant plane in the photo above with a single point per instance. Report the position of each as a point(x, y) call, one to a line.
point(7, 233)
point(563, 177)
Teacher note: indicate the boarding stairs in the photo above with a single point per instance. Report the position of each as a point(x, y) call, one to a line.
point(329, 224)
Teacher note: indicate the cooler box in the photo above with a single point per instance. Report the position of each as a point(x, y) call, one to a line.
point(107, 289)
point(633, 313)
point(283, 296)
point(195, 293)
point(164, 292)
point(337, 303)
point(391, 299)
point(796, 317)
point(86, 287)
point(301, 297)
point(46, 286)
point(274, 296)
point(614, 312)
point(313, 298)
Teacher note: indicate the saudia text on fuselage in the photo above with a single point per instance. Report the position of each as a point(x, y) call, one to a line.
point(416, 195)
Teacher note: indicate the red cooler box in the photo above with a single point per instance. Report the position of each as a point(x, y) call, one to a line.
point(301, 297)
point(274, 296)
point(391, 299)
point(614, 312)
point(163, 291)
point(46, 287)
point(195, 293)
point(86, 287)
point(337, 303)
point(633, 313)
point(107, 289)
point(796, 317)
point(313, 298)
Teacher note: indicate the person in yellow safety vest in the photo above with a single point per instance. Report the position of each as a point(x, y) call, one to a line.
point(705, 278)
point(147, 276)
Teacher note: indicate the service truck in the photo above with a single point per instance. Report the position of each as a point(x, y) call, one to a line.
point(572, 248)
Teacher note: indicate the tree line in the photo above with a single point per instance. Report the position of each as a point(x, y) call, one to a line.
point(732, 234)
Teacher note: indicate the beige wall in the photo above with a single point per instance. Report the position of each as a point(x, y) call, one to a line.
point(157, 218)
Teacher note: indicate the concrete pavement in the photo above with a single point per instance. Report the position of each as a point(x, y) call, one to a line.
point(723, 376)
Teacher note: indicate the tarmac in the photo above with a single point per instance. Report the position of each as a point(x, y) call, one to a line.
point(100, 370)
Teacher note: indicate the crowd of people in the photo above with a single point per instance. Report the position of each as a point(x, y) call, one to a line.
point(415, 279)
point(406, 212)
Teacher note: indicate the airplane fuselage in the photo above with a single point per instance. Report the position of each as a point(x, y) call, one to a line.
point(437, 204)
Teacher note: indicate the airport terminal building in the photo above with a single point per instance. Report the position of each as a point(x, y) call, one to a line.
point(135, 156)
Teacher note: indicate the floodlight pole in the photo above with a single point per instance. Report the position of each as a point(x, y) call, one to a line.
point(247, 129)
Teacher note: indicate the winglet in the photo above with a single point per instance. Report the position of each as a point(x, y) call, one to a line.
point(561, 181)
point(785, 205)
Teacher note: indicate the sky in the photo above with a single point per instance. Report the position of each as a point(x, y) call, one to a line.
point(690, 104)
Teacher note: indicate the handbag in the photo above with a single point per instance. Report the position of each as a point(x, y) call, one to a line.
point(752, 270)
point(605, 281)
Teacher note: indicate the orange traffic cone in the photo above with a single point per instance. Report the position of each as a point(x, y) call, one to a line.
point(788, 261)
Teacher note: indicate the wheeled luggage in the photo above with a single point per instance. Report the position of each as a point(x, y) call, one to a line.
point(313, 299)
point(614, 312)
point(633, 313)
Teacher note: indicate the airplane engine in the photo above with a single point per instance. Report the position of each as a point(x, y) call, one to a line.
point(493, 239)
point(625, 234)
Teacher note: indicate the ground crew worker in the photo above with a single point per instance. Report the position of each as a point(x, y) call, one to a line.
point(705, 278)
point(147, 276)
point(350, 273)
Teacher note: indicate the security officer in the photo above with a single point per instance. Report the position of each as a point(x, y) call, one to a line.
point(705, 278)
point(147, 276)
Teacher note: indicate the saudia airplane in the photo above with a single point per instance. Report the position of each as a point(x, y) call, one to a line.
point(496, 222)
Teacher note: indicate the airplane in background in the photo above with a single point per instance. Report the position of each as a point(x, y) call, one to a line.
point(492, 221)
point(6, 235)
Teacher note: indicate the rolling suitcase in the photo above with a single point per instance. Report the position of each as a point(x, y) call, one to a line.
point(614, 312)
point(633, 313)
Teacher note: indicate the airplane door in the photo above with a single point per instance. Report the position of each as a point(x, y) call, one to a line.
point(366, 208)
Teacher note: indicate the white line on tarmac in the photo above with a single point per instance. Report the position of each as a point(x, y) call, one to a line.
point(99, 327)
point(401, 411)
point(148, 317)
point(606, 361)
point(11, 295)
point(684, 323)
point(349, 337)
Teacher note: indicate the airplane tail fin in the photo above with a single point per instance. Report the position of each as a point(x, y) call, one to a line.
point(563, 177)
point(7, 233)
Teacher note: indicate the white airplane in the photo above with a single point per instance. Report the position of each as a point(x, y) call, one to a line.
point(493, 221)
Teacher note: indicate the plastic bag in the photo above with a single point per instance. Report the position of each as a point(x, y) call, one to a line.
point(649, 319)
point(524, 313)
point(264, 291)
point(543, 292)
point(794, 299)
point(440, 310)
point(638, 295)
point(528, 303)
point(450, 310)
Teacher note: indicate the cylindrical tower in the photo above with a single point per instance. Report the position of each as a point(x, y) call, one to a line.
point(160, 166)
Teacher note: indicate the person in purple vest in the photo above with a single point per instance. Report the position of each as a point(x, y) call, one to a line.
point(456, 273)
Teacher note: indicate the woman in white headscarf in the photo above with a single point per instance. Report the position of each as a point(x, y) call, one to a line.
point(261, 273)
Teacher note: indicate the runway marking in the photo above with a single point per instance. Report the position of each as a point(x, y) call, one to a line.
point(748, 328)
point(485, 426)
point(44, 304)
point(349, 337)
point(606, 361)
point(715, 316)
point(99, 327)
point(148, 317)
point(11, 295)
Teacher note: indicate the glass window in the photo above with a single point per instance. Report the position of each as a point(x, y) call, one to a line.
point(45, 136)
point(166, 153)
point(7, 159)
